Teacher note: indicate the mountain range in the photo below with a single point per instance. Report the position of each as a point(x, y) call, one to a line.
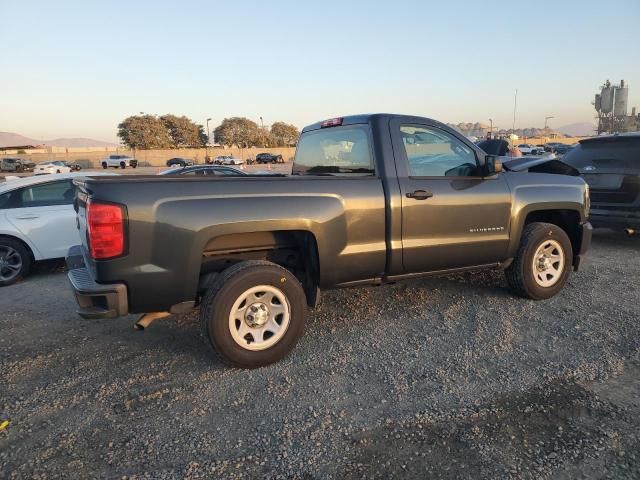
point(8, 139)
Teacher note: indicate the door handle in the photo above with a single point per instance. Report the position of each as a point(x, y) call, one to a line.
point(419, 195)
point(28, 217)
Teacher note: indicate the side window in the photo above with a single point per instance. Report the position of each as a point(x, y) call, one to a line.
point(432, 152)
point(54, 193)
point(5, 200)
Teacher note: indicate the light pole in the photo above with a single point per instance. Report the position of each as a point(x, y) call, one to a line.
point(206, 150)
point(261, 123)
point(546, 119)
point(491, 128)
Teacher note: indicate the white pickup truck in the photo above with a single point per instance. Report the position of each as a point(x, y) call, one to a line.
point(119, 161)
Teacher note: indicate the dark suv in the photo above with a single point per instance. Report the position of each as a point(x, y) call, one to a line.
point(269, 158)
point(610, 164)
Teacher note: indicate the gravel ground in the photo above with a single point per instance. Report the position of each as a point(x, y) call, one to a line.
point(437, 378)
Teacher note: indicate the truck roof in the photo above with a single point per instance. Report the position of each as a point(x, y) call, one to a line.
point(366, 118)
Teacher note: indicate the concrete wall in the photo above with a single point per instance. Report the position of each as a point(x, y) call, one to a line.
point(157, 158)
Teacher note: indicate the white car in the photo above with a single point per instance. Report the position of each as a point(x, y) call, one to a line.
point(228, 160)
point(51, 167)
point(37, 222)
point(118, 161)
point(528, 149)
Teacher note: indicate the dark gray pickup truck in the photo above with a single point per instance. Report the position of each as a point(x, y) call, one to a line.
point(371, 199)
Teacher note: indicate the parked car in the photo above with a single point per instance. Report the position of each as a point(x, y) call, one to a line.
point(37, 222)
point(529, 149)
point(255, 251)
point(55, 166)
point(15, 164)
point(75, 167)
point(227, 160)
point(269, 158)
point(610, 164)
point(211, 170)
point(179, 162)
point(119, 161)
point(561, 149)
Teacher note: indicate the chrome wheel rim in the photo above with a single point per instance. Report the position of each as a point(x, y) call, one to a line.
point(259, 317)
point(10, 263)
point(548, 263)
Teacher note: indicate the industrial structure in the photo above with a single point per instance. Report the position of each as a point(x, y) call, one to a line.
point(612, 107)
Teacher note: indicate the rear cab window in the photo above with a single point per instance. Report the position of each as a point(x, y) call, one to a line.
point(335, 151)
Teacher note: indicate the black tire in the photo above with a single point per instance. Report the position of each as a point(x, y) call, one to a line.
point(227, 288)
point(521, 274)
point(25, 259)
point(123, 165)
point(104, 165)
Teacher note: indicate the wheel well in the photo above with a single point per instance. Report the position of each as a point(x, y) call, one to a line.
point(16, 239)
point(568, 220)
point(295, 250)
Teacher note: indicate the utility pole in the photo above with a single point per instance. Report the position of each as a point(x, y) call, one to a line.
point(515, 105)
point(206, 154)
point(546, 119)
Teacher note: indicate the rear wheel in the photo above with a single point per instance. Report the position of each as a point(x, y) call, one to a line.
point(123, 165)
point(15, 261)
point(253, 314)
point(104, 165)
point(543, 262)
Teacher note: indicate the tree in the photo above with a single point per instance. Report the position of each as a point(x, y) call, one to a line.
point(262, 138)
point(183, 131)
point(144, 132)
point(284, 134)
point(238, 131)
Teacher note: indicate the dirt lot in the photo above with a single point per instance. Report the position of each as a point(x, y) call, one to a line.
point(438, 378)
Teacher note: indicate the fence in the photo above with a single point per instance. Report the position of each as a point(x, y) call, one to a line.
point(157, 158)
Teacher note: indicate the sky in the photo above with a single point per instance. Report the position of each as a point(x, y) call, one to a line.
point(77, 68)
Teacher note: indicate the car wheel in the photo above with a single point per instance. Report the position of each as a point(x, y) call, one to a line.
point(15, 261)
point(104, 165)
point(253, 314)
point(123, 165)
point(543, 262)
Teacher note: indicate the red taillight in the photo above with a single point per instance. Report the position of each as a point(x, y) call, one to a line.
point(333, 122)
point(105, 226)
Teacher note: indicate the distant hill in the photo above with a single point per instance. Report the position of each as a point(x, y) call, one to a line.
point(8, 139)
point(583, 129)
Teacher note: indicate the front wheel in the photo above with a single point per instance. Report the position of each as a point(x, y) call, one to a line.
point(123, 165)
point(543, 262)
point(254, 314)
point(104, 165)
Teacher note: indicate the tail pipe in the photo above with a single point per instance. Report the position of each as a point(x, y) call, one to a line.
point(145, 319)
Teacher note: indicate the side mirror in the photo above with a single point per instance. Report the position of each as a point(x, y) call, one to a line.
point(492, 165)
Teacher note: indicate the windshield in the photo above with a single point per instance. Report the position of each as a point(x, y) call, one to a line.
point(334, 151)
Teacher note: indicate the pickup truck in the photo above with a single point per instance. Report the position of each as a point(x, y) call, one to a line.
point(119, 161)
point(371, 199)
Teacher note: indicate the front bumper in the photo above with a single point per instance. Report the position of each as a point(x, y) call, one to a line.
point(585, 245)
point(95, 300)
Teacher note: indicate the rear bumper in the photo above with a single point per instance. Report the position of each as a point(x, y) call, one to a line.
point(95, 300)
point(585, 245)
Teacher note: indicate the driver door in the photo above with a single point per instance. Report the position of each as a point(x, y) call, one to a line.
point(452, 217)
